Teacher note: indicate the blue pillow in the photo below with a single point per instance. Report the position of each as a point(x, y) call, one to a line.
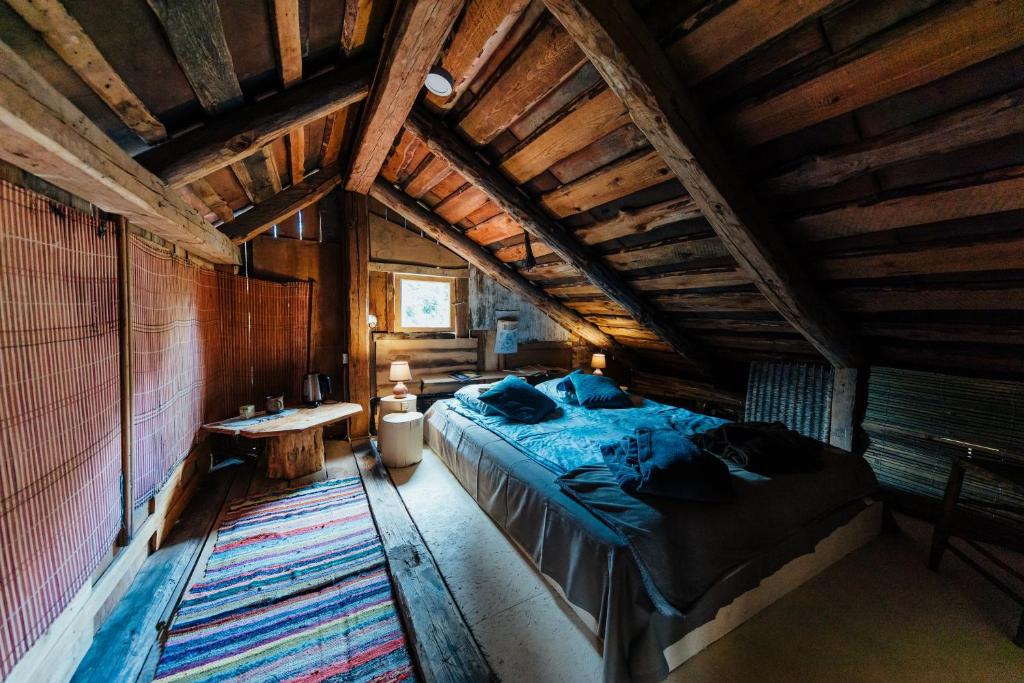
point(470, 398)
point(598, 391)
point(518, 401)
point(566, 391)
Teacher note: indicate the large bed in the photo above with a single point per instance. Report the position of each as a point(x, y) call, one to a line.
point(723, 571)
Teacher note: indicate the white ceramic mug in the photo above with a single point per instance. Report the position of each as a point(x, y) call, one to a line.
point(247, 411)
point(275, 404)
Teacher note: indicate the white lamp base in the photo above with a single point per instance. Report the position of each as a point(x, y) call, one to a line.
point(597, 371)
point(401, 391)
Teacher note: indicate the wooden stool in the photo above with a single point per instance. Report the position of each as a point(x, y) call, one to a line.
point(401, 439)
point(393, 404)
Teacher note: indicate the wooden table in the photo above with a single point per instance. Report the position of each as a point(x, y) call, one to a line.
point(295, 440)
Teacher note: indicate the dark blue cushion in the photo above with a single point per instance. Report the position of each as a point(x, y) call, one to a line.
point(517, 400)
point(598, 391)
point(566, 391)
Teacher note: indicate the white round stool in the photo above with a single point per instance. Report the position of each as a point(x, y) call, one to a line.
point(393, 404)
point(400, 440)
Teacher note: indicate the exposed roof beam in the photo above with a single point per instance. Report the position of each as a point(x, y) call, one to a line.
point(196, 35)
point(414, 39)
point(483, 259)
point(288, 39)
point(634, 66)
point(262, 217)
point(236, 135)
point(44, 134)
point(69, 40)
point(443, 143)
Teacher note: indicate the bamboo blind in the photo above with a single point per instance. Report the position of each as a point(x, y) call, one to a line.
point(59, 410)
point(797, 394)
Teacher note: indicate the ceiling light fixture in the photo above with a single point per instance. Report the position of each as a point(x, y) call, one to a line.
point(439, 82)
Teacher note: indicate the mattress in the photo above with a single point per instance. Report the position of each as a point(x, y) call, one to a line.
point(591, 565)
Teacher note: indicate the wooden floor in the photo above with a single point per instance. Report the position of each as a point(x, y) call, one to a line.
point(127, 647)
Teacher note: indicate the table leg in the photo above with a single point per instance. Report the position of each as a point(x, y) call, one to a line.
point(944, 525)
point(291, 456)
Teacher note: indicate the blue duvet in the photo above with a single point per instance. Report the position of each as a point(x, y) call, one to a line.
point(572, 437)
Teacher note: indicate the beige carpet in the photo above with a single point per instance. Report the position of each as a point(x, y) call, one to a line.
point(878, 615)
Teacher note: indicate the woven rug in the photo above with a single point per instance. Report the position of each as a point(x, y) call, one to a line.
point(296, 589)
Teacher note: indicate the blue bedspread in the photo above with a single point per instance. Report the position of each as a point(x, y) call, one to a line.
point(573, 436)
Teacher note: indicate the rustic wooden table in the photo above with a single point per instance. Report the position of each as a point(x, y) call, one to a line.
point(295, 445)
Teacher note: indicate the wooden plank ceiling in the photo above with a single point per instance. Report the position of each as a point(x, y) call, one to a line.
point(882, 145)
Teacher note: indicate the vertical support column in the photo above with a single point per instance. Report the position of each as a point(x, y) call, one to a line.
point(844, 407)
point(124, 290)
point(357, 239)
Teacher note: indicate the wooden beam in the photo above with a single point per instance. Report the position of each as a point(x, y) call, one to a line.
point(43, 133)
point(357, 253)
point(236, 135)
point(484, 26)
point(69, 40)
point(414, 39)
point(638, 171)
point(445, 144)
point(991, 119)
point(261, 218)
point(288, 38)
point(196, 35)
point(844, 407)
point(480, 257)
point(634, 66)
point(124, 333)
point(638, 221)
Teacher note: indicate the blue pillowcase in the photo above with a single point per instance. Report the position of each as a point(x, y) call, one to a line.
point(470, 397)
point(566, 391)
point(517, 400)
point(598, 391)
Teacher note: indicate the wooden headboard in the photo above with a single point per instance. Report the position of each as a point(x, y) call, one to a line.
point(425, 356)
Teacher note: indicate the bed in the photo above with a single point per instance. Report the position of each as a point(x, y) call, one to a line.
point(593, 567)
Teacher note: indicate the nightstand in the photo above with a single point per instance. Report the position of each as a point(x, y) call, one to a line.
point(393, 404)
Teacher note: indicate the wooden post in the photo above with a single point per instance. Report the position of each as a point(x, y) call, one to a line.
point(844, 407)
point(124, 290)
point(357, 232)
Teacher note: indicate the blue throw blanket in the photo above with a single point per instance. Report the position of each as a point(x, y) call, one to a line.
point(573, 436)
point(664, 464)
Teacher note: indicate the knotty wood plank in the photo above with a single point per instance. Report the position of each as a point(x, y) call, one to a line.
point(633, 65)
point(69, 40)
point(728, 277)
point(636, 172)
point(990, 119)
point(124, 641)
point(235, 135)
point(297, 154)
point(586, 121)
point(494, 230)
point(953, 298)
point(996, 255)
point(517, 252)
point(917, 209)
point(214, 201)
point(361, 20)
point(484, 25)
point(441, 641)
point(427, 177)
point(196, 35)
point(638, 221)
point(619, 143)
point(842, 419)
point(681, 253)
point(288, 39)
point(978, 29)
point(549, 58)
point(717, 301)
point(444, 143)
point(404, 159)
point(43, 133)
point(415, 37)
point(330, 149)
point(357, 253)
point(307, 418)
point(737, 30)
point(487, 263)
point(261, 218)
point(460, 204)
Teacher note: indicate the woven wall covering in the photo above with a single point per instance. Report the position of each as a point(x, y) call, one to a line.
point(60, 465)
point(797, 394)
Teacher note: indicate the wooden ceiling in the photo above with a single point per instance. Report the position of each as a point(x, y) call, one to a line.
point(865, 159)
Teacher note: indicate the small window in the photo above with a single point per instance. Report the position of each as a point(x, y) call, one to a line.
point(423, 303)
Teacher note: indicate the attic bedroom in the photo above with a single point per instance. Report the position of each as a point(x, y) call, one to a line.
point(511, 340)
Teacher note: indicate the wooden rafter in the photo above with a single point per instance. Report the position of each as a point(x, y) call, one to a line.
point(443, 143)
point(196, 35)
point(480, 257)
point(634, 66)
point(261, 218)
point(288, 39)
point(237, 134)
point(43, 133)
point(69, 40)
point(414, 40)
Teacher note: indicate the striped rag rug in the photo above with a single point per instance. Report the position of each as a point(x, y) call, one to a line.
point(296, 589)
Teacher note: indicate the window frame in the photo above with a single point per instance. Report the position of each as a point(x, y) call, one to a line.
point(401, 277)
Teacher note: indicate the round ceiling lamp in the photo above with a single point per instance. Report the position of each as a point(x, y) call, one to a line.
point(439, 82)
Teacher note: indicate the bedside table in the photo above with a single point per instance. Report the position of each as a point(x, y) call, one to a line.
point(393, 404)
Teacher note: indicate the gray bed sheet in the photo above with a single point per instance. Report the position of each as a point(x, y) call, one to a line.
point(594, 566)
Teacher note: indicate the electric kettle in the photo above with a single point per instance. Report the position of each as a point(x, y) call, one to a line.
point(316, 387)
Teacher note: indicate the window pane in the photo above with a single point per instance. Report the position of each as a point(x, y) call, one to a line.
point(426, 303)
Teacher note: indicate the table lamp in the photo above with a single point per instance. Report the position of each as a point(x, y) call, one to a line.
point(506, 339)
point(399, 374)
point(597, 361)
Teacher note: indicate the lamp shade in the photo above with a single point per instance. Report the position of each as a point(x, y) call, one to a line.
point(506, 340)
point(399, 371)
point(598, 361)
